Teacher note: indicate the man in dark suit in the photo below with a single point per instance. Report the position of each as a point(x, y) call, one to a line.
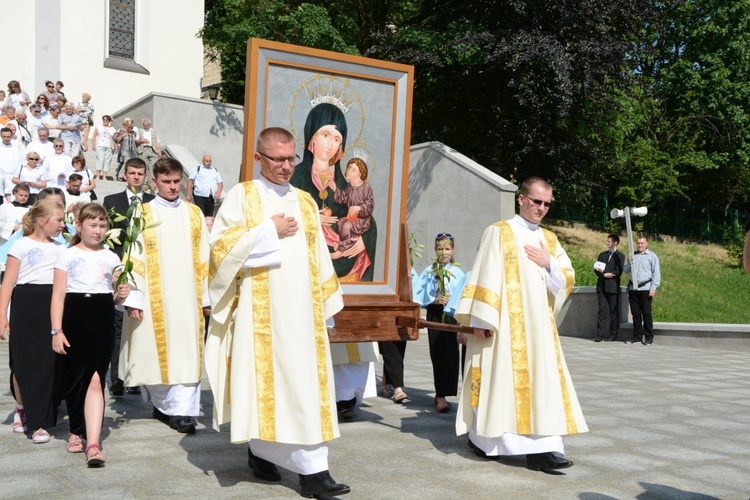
point(608, 268)
point(135, 176)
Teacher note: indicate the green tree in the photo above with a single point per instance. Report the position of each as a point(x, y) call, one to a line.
point(522, 87)
point(688, 110)
point(230, 23)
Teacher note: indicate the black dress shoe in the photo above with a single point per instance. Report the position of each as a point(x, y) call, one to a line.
point(321, 485)
point(546, 461)
point(597, 339)
point(133, 390)
point(262, 469)
point(610, 339)
point(116, 389)
point(346, 409)
point(183, 425)
point(161, 417)
point(479, 452)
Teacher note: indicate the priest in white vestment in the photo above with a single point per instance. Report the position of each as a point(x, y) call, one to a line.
point(273, 292)
point(162, 338)
point(518, 397)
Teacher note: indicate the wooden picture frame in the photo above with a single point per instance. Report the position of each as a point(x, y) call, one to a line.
point(368, 104)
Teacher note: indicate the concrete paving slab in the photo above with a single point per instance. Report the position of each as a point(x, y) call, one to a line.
point(667, 422)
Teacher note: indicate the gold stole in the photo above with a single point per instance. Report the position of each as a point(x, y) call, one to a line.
point(155, 292)
point(262, 329)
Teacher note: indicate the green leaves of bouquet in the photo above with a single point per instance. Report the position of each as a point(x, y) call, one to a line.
point(136, 225)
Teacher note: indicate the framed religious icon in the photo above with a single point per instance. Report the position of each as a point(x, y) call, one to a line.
point(351, 118)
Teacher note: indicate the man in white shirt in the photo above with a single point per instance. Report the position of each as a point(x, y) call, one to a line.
point(71, 124)
point(10, 160)
point(42, 146)
point(51, 123)
point(149, 143)
point(58, 166)
point(204, 187)
point(35, 116)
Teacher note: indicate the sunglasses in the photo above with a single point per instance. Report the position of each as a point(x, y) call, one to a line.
point(33, 159)
point(443, 236)
point(59, 145)
point(539, 203)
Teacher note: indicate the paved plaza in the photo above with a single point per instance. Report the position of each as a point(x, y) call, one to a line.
point(666, 422)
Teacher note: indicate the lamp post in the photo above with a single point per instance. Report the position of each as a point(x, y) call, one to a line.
point(616, 213)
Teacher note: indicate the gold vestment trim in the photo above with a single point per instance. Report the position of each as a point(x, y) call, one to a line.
point(222, 247)
point(352, 350)
point(517, 319)
point(262, 341)
point(482, 294)
point(156, 300)
point(330, 287)
point(570, 419)
point(310, 226)
point(201, 273)
point(476, 382)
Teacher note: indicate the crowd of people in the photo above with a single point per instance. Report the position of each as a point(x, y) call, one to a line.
point(43, 138)
point(271, 372)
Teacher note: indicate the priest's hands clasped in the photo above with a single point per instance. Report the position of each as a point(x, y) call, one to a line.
point(285, 226)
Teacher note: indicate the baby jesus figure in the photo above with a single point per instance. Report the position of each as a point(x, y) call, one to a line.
point(358, 196)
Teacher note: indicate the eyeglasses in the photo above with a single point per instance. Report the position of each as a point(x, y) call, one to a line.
point(280, 161)
point(443, 236)
point(539, 203)
point(50, 86)
point(59, 145)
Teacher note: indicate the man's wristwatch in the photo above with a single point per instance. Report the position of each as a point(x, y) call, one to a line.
point(55, 332)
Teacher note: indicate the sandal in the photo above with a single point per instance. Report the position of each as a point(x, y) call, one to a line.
point(40, 436)
point(399, 396)
point(94, 458)
point(75, 443)
point(387, 391)
point(19, 422)
point(444, 408)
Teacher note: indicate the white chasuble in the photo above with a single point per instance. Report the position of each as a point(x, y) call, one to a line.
point(267, 355)
point(171, 271)
point(516, 381)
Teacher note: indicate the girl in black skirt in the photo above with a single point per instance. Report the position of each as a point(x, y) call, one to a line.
point(34, 366)
point(83, 305)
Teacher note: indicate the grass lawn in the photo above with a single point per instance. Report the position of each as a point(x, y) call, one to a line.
point(698, 285)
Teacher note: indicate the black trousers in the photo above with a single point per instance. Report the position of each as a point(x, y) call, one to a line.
point(205, 203)
point(608, 309)
point(640, 306)
point(443, 353)
point(393, 362)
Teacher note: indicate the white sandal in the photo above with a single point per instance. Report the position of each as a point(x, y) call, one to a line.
point(40, 436)
point(19, 422)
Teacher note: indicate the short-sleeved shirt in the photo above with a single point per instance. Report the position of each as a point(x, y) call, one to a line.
point(205, 180)
point(88, 271)
point(38, 260)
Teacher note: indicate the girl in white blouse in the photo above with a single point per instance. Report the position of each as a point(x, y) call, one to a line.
point(84, 295)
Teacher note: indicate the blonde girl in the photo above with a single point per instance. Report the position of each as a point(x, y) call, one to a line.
point(84, 296)
point(34, 366)
point(443, 344)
